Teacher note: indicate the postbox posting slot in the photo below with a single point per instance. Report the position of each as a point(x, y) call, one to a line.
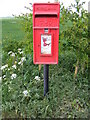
point(44, 14)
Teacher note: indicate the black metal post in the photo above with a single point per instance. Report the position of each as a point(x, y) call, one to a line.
point(46, 77)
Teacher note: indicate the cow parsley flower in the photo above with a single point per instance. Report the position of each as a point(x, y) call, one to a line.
point(4, 76)
point(0, 79)
point(8, 69)
point(19, 49)
point(13, 76)
point(37, 78)
point(13, 54)
point(3, 67)
point(20, 63)
point(14, 66)
point(23, 59)
point(25, 92)
point(9, 52)
point(21, 52)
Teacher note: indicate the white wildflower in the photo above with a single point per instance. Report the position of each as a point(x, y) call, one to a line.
point(19, 49)
point(37, 78)
point(0, 79)
point(3, 67)
point(14, 66)
point(9, 88)
point(13, 54)
point(23, 59)
point(25, 93)
point(21, 52)
point(8, 69)
point(9, 52)
point(13, 76)
point(6, 65)
point(4, 76)
point(20, 63)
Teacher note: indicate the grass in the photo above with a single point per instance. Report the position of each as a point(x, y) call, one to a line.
point(67, 98)
point(12, 29)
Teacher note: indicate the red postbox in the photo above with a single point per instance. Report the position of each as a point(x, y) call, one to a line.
point(46, 33)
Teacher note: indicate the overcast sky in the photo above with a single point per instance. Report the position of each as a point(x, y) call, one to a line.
point(9, 7)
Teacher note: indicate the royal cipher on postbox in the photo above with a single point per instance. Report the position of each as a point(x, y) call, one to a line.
point(46, 33)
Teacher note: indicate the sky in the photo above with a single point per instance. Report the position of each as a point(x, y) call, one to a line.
point(16, 7)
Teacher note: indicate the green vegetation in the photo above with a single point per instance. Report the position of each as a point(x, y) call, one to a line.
point(22, 89)
point(12, 29)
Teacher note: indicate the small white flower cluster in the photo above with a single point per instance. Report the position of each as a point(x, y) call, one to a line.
point(14, 66)
point(13, 76)
point(3, 67)
point(20, 51)
point(22, 60)
point(37, 78)
point(0, 79)
point(4, 76)
point(11, 53)
point(25, 92)
point(20, 63)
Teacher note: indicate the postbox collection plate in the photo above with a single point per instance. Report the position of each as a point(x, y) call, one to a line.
point(46, 44)
point(45, 33)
